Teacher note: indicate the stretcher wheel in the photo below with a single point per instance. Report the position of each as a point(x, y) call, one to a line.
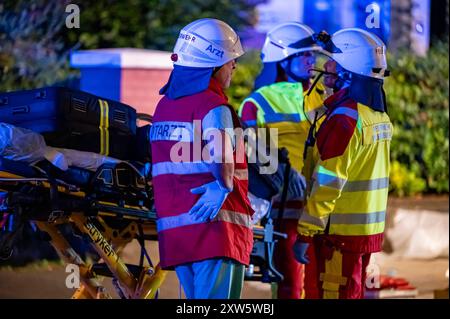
point(6, 252)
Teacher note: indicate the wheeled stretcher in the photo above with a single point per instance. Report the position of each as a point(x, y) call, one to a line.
point(111, 207)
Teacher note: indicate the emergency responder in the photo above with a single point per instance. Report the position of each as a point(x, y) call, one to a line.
point(204, 215)
point(343, 222)
point(282, 101)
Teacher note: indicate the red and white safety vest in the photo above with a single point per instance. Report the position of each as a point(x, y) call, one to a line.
point(181, 238)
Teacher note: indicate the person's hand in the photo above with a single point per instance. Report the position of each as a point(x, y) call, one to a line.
point(300, 248)
point(297, 185)
point(209, 204)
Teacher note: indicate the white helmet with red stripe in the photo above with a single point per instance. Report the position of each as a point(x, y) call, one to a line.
point(206, 43)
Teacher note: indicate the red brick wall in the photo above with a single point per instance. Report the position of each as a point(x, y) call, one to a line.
point(140, 88)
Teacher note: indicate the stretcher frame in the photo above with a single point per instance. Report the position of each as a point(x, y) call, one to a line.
point(130, 281)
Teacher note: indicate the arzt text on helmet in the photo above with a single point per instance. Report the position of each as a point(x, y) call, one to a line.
point(215, 51)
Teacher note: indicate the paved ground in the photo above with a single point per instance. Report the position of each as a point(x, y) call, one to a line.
point(47, 280)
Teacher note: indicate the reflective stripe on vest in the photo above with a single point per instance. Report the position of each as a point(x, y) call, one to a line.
point(342, 110)
point(369, 185)
point(358, 218)
point(186, 168)
point(357, 229)
point(172, 131)
point(251, 122)
point(185, 219)
point(351, 186)
point(270, 116)
point(312, 220)
point(180, 168)
point(330, 181)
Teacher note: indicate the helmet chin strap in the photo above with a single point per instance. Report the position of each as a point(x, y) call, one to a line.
point(315, 81)
point(343, 79)
point(321, 73)
point(365, 90)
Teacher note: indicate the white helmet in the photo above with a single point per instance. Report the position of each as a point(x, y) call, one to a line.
point(287, 39)
point(359, 51)
point(206, 43)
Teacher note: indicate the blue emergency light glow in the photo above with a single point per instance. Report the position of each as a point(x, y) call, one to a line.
point(333, 15)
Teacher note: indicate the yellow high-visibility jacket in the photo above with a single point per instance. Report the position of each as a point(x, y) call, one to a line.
point(350, 182)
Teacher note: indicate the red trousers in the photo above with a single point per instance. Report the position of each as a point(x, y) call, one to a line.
point(333, 273)
point(293, 272)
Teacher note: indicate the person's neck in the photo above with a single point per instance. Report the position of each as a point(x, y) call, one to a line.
point(306, 83)
point(215, 86)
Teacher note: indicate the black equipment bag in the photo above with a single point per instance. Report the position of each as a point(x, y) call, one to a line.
point(143, 146)
point(261, 185)
point(73, 119)
point(266, 186)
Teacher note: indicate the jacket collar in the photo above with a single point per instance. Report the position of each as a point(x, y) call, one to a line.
point(337, 99)
point(216, 88)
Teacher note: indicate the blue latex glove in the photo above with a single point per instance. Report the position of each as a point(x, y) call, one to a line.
point(300, 248)
point(209, 204)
